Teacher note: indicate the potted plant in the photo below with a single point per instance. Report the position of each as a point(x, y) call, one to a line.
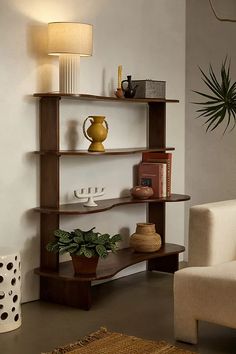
point(85, 247)
point(220, 104)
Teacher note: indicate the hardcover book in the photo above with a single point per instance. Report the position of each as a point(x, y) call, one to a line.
point(161, 157)
point(153, 175)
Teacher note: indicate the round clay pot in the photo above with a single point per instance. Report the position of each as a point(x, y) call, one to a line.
point(141, 192)
point(145, 239)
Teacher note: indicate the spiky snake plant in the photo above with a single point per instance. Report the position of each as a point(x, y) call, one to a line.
point(220, 105)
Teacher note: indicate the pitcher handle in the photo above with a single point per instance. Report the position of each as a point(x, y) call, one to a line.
point(106, 124)
point(84, 131)
point(122, 84)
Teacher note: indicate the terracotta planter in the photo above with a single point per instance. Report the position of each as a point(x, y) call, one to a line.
point(145, 239)
point(83, 265)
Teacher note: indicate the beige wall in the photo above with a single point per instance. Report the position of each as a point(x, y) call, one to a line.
point(148, 39)
point(210, 157)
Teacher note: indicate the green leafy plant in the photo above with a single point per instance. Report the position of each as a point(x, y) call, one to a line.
point(221, 102)
point(83, 243)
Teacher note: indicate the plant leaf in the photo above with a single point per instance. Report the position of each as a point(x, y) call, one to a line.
point(52, 246)
point(61, 233)
point(207, 96)
point(102, 239)
point(221, 103)
point(113, 247)
point(88, 252)
point(78, 239)
point(116, 238)
point(101, 251)
point(65, 249)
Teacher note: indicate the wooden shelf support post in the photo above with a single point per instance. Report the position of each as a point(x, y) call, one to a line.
point(49, 177)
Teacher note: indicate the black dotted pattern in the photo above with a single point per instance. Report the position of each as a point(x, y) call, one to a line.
point(10, 266)
point(4, 316)
point(15, 298)
point(4, 312)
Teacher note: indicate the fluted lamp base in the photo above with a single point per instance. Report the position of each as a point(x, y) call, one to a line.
point(69, 65)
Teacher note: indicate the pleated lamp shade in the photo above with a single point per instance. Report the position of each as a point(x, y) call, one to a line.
point(69, 40)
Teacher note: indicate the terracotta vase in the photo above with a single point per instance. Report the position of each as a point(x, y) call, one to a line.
point(141, 192)
point(83, 265)
point(145, 239)
point(96, 133)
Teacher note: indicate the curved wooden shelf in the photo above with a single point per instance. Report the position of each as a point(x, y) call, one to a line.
point(107, 152)
point(111, 265)
point(103, 98)
point(106, 204)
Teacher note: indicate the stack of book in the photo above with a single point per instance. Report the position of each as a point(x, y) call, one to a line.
point(155, 171)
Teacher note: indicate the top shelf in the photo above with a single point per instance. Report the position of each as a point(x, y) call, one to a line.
point(86, 97)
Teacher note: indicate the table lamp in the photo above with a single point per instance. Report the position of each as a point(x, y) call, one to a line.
point(69, 41)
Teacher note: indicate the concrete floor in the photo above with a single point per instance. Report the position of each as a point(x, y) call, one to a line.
point(140, 305)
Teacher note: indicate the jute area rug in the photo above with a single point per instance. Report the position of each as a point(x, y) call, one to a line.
point(105, 342)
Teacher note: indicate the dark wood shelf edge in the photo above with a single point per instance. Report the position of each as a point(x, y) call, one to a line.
point(107, 152)
point(103, 98)
point(111, 265)
point(107, 204)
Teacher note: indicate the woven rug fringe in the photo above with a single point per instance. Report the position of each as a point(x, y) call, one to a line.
point(112, 341)
point(101, 333)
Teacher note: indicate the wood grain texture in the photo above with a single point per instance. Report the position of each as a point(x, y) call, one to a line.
point(129, 151)
point(157, 125)
point(107, 204)
point(102, 98)
point(168, 264)
point(48, 224)
point(113, 264)
point(65, 292)
point(157, 216)
point(49, 177)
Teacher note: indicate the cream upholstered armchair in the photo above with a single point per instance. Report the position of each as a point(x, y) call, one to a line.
point(207, 289)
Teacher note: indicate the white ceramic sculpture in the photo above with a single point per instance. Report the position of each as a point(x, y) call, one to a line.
point(89, 193)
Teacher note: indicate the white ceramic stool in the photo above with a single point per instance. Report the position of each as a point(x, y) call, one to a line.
point(10, 290)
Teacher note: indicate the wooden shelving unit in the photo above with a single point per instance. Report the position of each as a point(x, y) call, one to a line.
point(57, 281)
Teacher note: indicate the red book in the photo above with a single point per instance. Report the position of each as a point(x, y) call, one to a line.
point(161, 157)
point(153, 175)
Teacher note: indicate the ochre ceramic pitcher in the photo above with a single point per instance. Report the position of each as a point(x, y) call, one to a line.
point(96, 132)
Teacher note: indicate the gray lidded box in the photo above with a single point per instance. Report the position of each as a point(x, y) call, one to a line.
point(150, 89)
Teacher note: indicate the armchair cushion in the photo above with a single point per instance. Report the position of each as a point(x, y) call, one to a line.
point(204, 293)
